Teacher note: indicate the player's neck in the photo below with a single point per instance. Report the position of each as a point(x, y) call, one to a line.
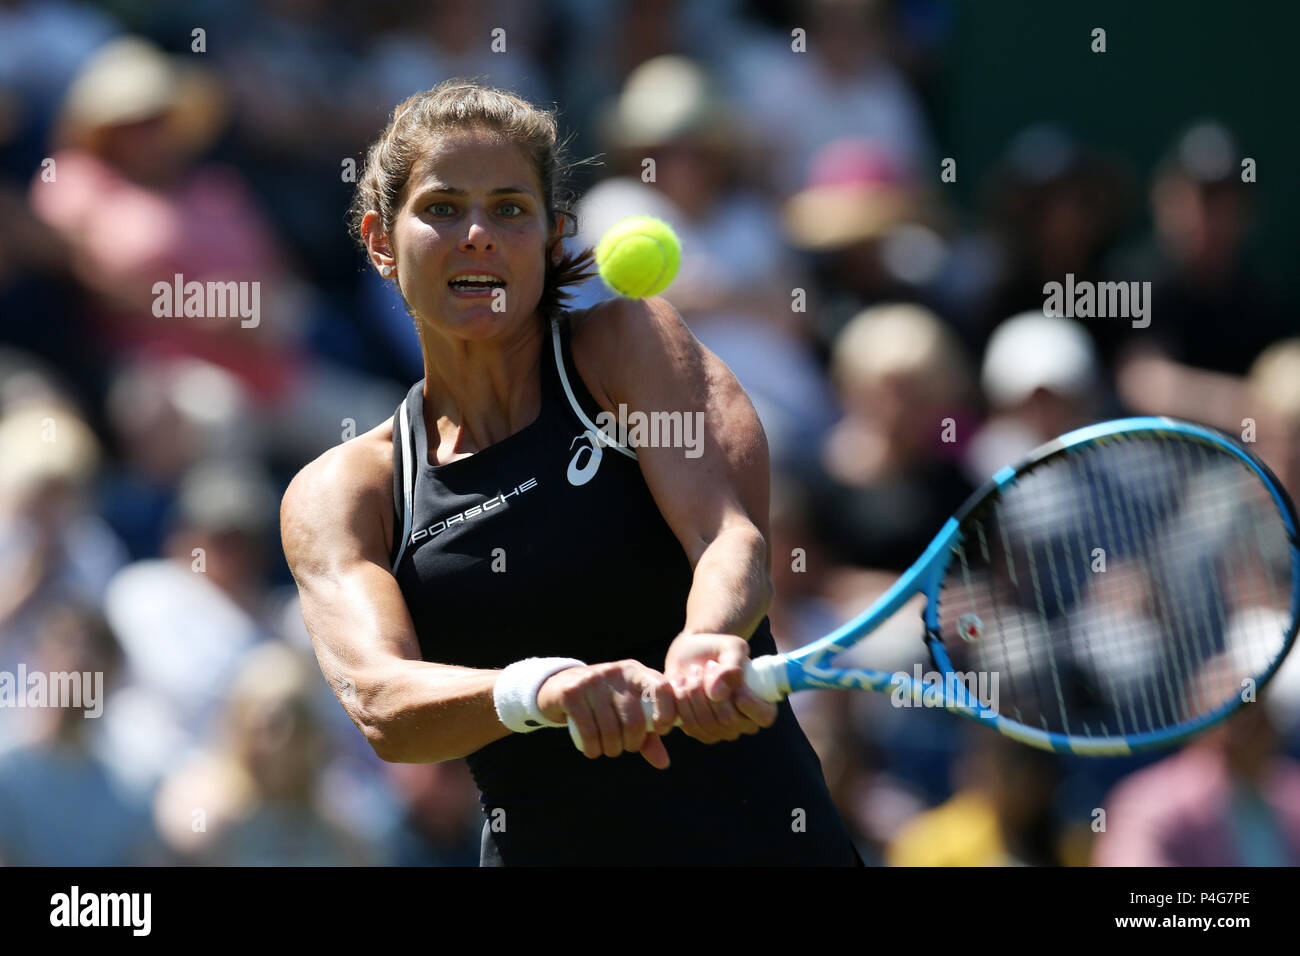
point(477, 393)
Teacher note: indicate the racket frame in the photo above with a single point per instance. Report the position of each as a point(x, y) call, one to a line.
point(809, 668)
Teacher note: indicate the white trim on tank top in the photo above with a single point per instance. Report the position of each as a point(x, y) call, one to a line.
point(408, 485)
point(573, 401)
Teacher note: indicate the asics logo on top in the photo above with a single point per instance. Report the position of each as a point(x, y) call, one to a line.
point(582, 471)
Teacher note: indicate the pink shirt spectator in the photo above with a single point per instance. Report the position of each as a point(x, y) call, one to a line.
point(1187, 810)
point(129, 237)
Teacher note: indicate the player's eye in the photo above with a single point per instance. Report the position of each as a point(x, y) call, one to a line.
point(441, 209)
point(518, 210)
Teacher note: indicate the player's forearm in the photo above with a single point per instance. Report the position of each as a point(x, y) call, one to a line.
point(416, 712)
point(732, 587)
point(1154, 384)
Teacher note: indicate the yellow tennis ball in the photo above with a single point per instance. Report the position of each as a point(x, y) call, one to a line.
point(639, 257)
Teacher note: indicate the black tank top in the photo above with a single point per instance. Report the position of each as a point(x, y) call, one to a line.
point(549, 543)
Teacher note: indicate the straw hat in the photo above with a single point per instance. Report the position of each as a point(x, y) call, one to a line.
point(130, 79)
point(855, 192)
point(45, 444)
point(667, 99)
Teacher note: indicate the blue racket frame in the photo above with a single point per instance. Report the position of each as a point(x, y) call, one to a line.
point(808, 667)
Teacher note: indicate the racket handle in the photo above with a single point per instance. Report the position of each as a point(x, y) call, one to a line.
point(763, 675)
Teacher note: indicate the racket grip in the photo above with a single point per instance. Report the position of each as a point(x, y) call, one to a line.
point(765, 676)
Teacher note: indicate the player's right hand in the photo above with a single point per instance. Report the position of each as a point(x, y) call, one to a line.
point(605, 702)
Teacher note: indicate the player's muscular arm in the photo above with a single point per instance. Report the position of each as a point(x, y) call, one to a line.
point(332, 522)
point(713, 495)
point(332, 525)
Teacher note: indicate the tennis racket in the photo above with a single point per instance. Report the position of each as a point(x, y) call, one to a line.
point(1125, 586)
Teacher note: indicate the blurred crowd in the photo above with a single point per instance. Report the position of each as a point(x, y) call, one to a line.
point(893, 341)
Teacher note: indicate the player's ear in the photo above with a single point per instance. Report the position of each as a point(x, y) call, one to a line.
point(565, 226)
point(378, 244)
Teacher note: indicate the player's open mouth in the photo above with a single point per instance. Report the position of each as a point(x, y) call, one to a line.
point(472, 284)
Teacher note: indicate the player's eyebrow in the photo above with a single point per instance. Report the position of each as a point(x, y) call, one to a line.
point(436, 187)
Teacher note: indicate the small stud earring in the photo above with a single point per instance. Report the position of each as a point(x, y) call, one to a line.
point(387, 271)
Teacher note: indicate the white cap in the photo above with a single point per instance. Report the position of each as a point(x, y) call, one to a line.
point(1031, 351)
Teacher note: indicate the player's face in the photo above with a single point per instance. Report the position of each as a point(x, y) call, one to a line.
point(473, 207)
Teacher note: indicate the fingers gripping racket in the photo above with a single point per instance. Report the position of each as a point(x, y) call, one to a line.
point(1127, 585)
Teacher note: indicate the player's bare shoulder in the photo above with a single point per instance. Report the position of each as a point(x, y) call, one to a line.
point(614, 339)
point(612, 322)
point(341, 500)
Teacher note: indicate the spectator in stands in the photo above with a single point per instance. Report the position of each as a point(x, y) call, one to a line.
point(137, 209)
point(1001, 815)
point(258, 784)
point(888, 476)
point(869, 231)
point(443, 823)
point(187, 620)
point(1041, 377)
point(60, 803)
point(165, 415)
point(736, 285)
point(52, 546)
point(1272, 400)
point(1055, 206)
point(841, 84)
point(1210, 316)
point(1229, 798)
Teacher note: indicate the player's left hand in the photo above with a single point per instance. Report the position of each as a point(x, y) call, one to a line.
point(707, 673)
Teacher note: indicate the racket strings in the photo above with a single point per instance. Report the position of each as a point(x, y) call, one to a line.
point(1124, 588)
point(1144, 526)
point(1087, 527)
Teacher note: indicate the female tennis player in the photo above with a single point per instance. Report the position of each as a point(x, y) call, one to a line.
point(488, 565)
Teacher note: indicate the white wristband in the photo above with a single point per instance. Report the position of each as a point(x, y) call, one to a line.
point(515, 692)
